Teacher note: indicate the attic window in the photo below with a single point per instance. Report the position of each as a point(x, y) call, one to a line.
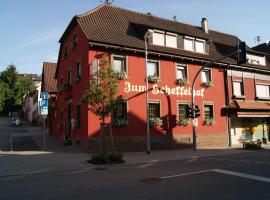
point(194, 44)
point(158, 38)
point(256, 60)
point(164, 39)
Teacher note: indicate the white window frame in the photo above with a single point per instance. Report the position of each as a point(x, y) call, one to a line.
point(183, 66)
point(159, 38)
point(124, 58)
point(171, 40)
point(242, 92)
point(210, 75)
point(257, 91)
point(158, 67)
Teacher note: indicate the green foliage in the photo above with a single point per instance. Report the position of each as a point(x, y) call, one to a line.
point(12, 88)
point(107, 157)
point(102, 89)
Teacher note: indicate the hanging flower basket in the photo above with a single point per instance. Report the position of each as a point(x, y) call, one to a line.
point(183, 122)
point(181, 81)
point(207, 84)
point(153, 79)
point(155, 121)
point(121, 75)
point(208, 121)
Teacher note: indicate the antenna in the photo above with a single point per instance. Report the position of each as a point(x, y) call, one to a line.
point(258, 39)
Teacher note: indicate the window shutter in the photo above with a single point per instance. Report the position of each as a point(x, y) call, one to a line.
point(180, 42)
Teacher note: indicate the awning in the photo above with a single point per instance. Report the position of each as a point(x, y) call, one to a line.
point(252, 105)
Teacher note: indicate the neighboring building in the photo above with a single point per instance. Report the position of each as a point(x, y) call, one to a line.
point(176, 53)
point(264, 47)
point(49, 84)
point(32, 100)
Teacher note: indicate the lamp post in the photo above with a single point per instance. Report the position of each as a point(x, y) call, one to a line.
point(147, 35)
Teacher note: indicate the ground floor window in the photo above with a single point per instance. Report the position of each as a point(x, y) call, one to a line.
point(182, 111)
point(154, 109)
point(119, 114)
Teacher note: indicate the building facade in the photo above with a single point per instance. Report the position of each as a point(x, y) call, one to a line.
point(176, 53)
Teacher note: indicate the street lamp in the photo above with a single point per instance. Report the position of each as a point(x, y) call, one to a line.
point(147, 35)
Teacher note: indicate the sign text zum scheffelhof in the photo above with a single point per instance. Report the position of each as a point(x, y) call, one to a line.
point(179, 91)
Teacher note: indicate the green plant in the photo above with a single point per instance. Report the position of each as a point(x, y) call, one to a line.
point(181, 81)
point(121, 75)
point(155, 121)
point(119, 122)
point(207, 84)
point(183, 122)
point(153, 78)
point(208, 121)
point(106, 157)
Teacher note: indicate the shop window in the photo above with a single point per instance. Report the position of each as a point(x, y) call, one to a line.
point(181, 72)
point(238, 89)
point(78, 120)
point(208, 111)
point(154, 110)
point(79, 71)
point(152, 68)
point(119, 64)
point(262, 91)
point(182, 111)
point(206, 76)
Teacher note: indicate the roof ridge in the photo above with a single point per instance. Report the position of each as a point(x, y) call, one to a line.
point(91, 11)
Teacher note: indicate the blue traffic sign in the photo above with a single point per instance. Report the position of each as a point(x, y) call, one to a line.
point(44, 104)
point(44, 95)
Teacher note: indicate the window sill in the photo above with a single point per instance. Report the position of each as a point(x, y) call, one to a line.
point(263, 98)
point(239, 97)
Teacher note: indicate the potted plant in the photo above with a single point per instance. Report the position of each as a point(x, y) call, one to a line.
point(181, 81)
point(208, 121)
point(153, 78)
point(207, 84)
point(183, 122)
point(155, 121)
point(121, 75)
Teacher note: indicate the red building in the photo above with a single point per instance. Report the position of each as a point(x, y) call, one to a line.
point(176, 53)
point(49, 84)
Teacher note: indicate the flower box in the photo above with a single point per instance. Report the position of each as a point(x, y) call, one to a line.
point(153, 79)
point(181, 81)
point(155, 121)
point(120, 122)
point(183, 122)
point(121, 75)
point(208, 121)
point(207, 84)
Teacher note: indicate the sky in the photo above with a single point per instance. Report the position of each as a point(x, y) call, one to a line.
point(30, 29)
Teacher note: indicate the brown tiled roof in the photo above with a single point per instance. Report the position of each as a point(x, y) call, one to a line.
point(49, 83)
point(112, 25)
point(265, 48)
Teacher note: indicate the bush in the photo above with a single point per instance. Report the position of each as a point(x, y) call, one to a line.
point(106, 157)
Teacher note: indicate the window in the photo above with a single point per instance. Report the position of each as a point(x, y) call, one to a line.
point(79, 71)
point(256, 60)
point(74, 41)
point(192, 44)
point(262, 91)
point(171, 40)
point(206, 76)
point(208, 111)
point(152, 68)
point(182, 111)
point(69, 77)
point(188, 44)
point(154, 109)
point(158, 38)
point(119, 64)
point(120, 111)
point(199, 46)
point(181, 71)
point(65, 52)
point(238, 89)
point(78, 121)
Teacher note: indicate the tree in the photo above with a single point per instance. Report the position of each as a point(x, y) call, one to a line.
point(2, 95)
point(23, 85)
point(101, 92)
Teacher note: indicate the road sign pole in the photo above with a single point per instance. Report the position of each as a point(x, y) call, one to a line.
point(44, 134)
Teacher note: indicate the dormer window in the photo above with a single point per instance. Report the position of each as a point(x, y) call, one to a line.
point(255, 59)
point(192, 44)
point(164, 39)
point(171, 40)
point(158, 38)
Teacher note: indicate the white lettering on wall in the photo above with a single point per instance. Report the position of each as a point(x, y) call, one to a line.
point(178, 91)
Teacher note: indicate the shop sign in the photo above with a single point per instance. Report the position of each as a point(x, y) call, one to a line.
point(178, 91)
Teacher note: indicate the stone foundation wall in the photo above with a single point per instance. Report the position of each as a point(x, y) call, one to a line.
point(138, 143)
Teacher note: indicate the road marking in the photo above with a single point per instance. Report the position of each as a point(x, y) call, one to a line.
point(151, 163)
point(242, 175)
point(185, 174)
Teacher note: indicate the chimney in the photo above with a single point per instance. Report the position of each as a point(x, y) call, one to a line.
point(204, 24)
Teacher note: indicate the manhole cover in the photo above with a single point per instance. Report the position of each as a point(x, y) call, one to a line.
point(152, 180)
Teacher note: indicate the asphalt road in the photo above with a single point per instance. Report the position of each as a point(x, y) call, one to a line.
point(238, 176)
